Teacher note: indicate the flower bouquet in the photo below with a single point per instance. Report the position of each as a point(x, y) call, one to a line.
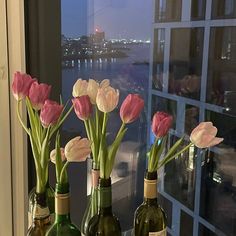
point(45, 118)
point(149, 217)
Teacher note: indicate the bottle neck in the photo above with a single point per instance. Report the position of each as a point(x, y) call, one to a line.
point(62, 203)
point(150, 188)
point(105, 196)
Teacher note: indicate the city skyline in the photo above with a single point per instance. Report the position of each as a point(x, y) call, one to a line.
point(117, 18)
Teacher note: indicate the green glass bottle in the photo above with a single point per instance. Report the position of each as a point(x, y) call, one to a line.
point(50, 199)
point(92, 205)
point(150, 219)
point(62, 225)
point(104, 223)
point(40, 217)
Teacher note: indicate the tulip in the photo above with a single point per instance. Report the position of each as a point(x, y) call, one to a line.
point(107, 99)
point(131, 108)
point(53, 155)
point(21, 85)
point(105, 83)
point(77, 149)
point(38, 94)
point(50, 113)
point(80, 88)
point(92, 90)
point(161, 124)
point(83, 107)
point(204, 135)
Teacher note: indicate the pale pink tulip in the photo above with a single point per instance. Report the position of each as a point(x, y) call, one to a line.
point(204, 135)
point(38, 94)
point(107, 99)
point(21, 85)
point(161, 124)
point(104, 83)
point(77, 149)
point(80, 88)
point(53, 155)
point(50, 113)
point(92, 90)
point(131, 108)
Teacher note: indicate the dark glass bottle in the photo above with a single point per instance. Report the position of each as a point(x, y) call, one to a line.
point(92, 205)
point(40, 217)
point(104, 223)
point(50, 199)
point(62, 225)
point(150, 219)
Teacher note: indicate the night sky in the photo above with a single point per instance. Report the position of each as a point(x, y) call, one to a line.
point(129, 19)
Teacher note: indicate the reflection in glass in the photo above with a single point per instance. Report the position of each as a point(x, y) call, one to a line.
point(198, 9)
point(185, 67)
point(223, 9)
point(203, 231)
point(186, 224)
point(221, 86)
point(191, 118)
point(158, 58)
point(179, 179)
point(218, 191)
point(168, 10)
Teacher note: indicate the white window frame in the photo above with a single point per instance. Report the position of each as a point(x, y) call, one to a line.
point(13, 141)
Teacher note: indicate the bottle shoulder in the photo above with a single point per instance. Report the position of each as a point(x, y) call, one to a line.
point(63, 228)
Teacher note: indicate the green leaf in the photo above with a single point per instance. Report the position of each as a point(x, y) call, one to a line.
point(158, 152)
point(58, 163)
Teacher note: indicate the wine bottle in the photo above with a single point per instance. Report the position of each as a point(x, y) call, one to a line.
point(62, 225)
point(40, 216)
point(92, 205)
point(150, 219)
point(104, 223)
point(50, 196)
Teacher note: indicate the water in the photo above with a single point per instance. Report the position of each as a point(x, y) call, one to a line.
point(122, 73)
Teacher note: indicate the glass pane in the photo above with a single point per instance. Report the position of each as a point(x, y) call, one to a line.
point(185, 67)
point(186, 224)
point(223, 9)
point(203, 231)
point(158, 59)
point(179, 178)
point(168, 10)
point(218, 191)
point(191, 118)
point(167, 206)
point(221, 84)
point(198, 9)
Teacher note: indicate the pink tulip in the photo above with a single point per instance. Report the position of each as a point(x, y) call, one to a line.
point(53, 155)
point(131, 108)
point(77, 149)
point(38, 94)
point(21, 85)
point(83, 107)
point(161, 124)
point(204, 135)
point(50, 113)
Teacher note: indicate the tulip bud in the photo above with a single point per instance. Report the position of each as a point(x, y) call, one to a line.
point(161, 124)
point(53, 155)
point(50, 113)
point(77, 149)
point(131, 108)
point(92, 90)
point(83, 107)
point(80, 88)
point(38, 94)
point(107, 99)
point(204, 135)
point(21, 85)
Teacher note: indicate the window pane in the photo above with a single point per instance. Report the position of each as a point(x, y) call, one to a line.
point(223, 9)
point(203, 231)
point(221, 84)
point(167, 206)
point(185, 66)
point(191, 118)
point(198, 9)
point(186, 222)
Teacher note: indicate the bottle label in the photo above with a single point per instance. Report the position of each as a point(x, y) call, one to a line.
point(62, 204)
point(150, 188)
point(160, 233)
point(30, 218)
point(40, 212)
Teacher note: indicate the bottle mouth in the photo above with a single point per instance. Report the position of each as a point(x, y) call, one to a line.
point(62, 188)
point(151, 175)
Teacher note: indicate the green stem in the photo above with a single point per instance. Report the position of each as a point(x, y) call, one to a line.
point(63, 170)
point(152, 156)
point(86, 124)
point(20, 119)
point(120, 130)
point(163, 162)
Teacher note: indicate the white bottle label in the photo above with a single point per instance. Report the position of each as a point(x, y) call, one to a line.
point(160, 233)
